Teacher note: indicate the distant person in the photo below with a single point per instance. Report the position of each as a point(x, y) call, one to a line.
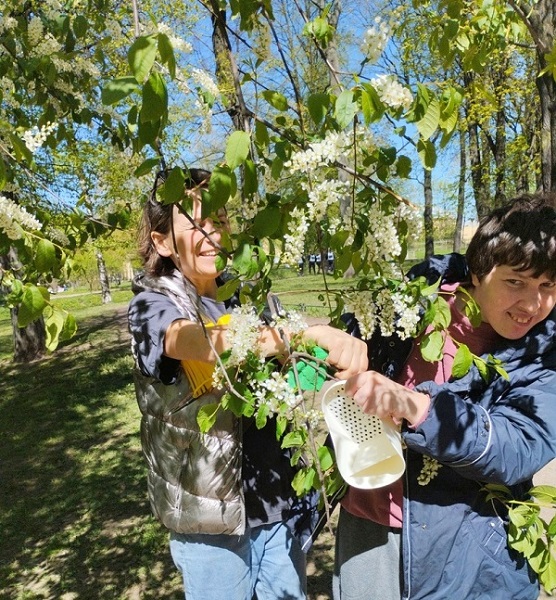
point(330, 261)
point(301, 265)
point(312, 264)
point(433, 534)
point(318, 261)
point(236, 526)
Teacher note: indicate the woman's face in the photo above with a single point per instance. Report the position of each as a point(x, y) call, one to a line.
point(197, 249)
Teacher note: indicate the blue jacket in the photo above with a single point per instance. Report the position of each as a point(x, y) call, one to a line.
point(454, 541)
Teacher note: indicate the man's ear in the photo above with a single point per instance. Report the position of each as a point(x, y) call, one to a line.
point(161, 243)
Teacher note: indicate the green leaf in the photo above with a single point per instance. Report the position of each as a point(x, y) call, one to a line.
point(237, 148)
point(146, 166)
point(250, 181)
point(32, 305)
point(345, 108)
point(54, 325)
point(261, 134)
point(548, 576)
point(45, 256)
point(3, 174)
point(167, 54)
point(482, 367)
point(442, 313)
point(222, 186)
point(70, 326)
point(403, 167)
point(155, 99)
point(173, 189)
point(318, 105)
point(141, 57)
point(206, 417)
point(275, 99)
point(427, 153)
point(262, 416)
point(228, 289)
point(22, 153)
point(550, 60)
point(463, 361)
point(371, 105)
point(80, 26)
point(118, 89)
point(244, 261)
point(266, 221)
point(544, 493)
point(293, 439)
point(429, 123)
point(326, 458)
point(432, 346)
point(148, 132)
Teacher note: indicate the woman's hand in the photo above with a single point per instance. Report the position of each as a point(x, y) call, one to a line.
point(346, 353)
point(380, 396)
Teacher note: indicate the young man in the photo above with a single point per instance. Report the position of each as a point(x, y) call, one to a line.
point(433, 534)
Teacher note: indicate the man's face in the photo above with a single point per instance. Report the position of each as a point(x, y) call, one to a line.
point(513, 301)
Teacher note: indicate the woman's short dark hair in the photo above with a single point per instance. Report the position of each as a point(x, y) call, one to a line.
point(158, 217)
point(521, 234)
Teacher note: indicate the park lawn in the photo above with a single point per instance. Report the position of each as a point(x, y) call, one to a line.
point(74, 514)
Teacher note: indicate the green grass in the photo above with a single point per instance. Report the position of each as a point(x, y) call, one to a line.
point(74, 515)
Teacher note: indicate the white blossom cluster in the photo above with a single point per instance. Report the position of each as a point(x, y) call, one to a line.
point(294, 240)
point(35, 137)
point(205, 81)
point(57, 235)
point(322, 195)
point(14, 219)
point(391, 92)
point(293, 322)
point(275, 392)
point(409, 315)
point(35, 31)
point(375, 40)
point(7, 23)
point(382, 239)
point(334, 147)
point(243, 333)
point(177, 42)
point(314, 417)
point(391, 311)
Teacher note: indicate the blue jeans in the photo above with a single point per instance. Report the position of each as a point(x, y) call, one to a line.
point(266, 561)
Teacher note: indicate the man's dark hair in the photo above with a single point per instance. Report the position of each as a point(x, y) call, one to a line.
point(521, 234)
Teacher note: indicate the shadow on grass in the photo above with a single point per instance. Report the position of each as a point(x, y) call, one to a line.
point(74, 517)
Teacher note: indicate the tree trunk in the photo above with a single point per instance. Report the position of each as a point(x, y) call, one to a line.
point(458, 234)
point(499, 149)
point(103, 279)
point(29, 343)
point(480, 190)
point(227, 74)
point(429, 225)
point(547, 94)
point(540, 19)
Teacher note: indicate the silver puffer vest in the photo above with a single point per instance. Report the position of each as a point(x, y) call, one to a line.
point(194, 478)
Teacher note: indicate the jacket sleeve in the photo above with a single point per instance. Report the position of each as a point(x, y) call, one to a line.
point(505, 439)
